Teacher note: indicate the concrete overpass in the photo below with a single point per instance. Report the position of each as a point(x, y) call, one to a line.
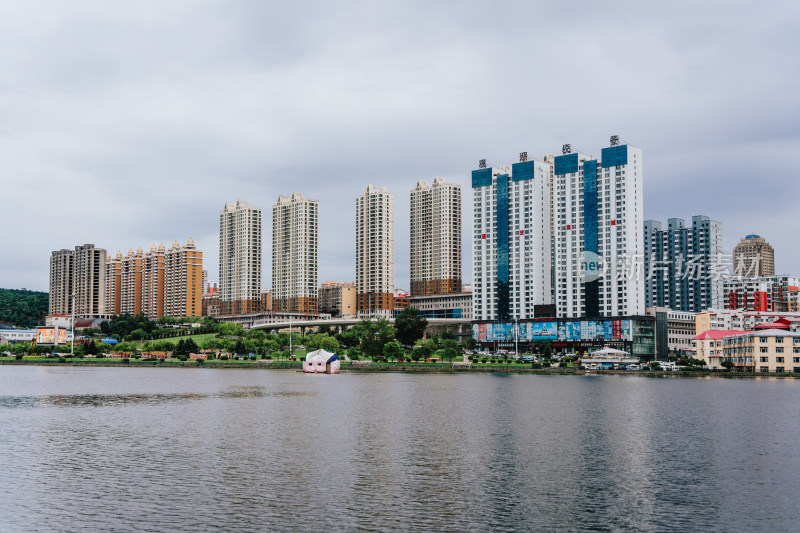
point(460, 327)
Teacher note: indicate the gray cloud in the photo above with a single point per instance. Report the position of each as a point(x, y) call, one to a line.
point(128, 127)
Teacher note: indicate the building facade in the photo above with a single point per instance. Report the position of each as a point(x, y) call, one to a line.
point(738, 319)
point(766, 293)
point(599, 242)
point(511, 244)
point(240, 241)
point(295, 254)
point(338, 299)
point(677, 332)
point(435, 238)
point(683, 265)
point(753, 257)
point(453, 305)
point(769, 350)
point(161, 282)
point(80, 273)
point(375, 252)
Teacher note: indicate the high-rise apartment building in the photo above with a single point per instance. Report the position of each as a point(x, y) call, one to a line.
point(240, 258)
point(80, 272)
point(295, 250)
point(375, 252)
point(599, 244)
point(161, 282)
point(754, 257)
point(511, 240)
point(435, 238)
point(683, 265)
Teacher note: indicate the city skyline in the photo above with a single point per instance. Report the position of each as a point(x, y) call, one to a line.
point(145, 137)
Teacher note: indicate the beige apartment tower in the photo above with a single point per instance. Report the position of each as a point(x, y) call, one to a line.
point(435, 238)
point(239, 258)
point(161, 282)
point(375, 252)
point(295, 251)
point(754, 257)
point(80, 272)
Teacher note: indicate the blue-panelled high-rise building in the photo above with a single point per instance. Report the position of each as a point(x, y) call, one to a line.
point(598, 244)
point(683, 264)
point(511, 240)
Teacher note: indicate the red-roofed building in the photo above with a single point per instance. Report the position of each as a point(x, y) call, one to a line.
point(709, 346)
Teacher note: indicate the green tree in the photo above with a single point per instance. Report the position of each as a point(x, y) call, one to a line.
point(190, 347)
point(727, 364)
point(374, 334)
point(410, 326)
point(180, 348)
point(393, 351)
point(239, 348)
point(469, 343)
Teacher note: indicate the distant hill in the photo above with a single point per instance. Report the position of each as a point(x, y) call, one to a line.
point(23, 308)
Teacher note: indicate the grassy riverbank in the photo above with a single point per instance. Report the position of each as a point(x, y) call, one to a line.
point(378, 367)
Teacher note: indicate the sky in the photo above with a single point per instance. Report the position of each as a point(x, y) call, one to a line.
point(128, 124)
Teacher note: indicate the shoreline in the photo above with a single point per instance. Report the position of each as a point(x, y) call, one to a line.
point(402, 368)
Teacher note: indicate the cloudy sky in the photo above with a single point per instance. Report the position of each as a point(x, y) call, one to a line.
point(126, 124)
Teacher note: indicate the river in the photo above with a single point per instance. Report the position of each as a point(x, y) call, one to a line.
point(166, 449)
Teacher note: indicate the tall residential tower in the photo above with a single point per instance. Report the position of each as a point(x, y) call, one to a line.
point(599, 244)
point(511, 240)
point(80, 272)
point(240, 258)
point(682, 265)
point(753, 256)
point(295, 251)
point(375, 252)
point(435, 238)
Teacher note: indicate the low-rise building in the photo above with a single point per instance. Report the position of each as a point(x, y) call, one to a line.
point(709, 345)
point(454, 305)
point(676, 335)
point(770, 350)
point(725, 319)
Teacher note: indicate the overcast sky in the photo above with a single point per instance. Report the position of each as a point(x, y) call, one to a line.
point(126, 124)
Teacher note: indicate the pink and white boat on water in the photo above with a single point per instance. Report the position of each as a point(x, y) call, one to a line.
point(321, 362)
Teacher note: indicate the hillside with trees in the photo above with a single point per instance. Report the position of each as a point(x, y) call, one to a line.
point(23, 308)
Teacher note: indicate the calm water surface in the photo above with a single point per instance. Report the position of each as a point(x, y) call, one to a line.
point(137, 449)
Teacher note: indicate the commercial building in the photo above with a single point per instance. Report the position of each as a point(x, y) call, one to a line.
point(338, 299)
point(770, 350)
point(80, 272)
point(766, 293)
point(435, 238)
point(161, 282)
point(453, 305)
point(240, 258)
point(635, 335)
point(599, 243)
point(511, 250)
point(675, 330)
point(375, 252)
point(295, 251)
point(683, 265)
point(753, 257)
